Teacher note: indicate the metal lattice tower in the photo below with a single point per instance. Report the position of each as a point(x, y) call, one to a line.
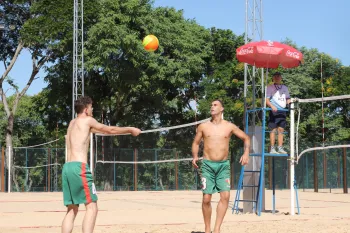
point(253, 91)
point(253, 77)
point(78, 58)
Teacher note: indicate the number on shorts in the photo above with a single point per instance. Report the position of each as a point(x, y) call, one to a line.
point(204, 183)
point(93, 188)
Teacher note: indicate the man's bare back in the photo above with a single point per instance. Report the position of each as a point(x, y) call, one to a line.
point(77, 180)
point(216, 139)
point(78, 133)
point(78, 139)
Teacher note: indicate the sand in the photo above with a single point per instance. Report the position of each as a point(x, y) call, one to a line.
point(174, 212)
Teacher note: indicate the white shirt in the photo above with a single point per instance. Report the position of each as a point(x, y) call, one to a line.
point(278, 95)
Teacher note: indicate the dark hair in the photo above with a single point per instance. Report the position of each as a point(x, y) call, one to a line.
point(219, 100)
point(82, 103)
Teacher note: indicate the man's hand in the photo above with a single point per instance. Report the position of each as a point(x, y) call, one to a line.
point(274, 109)
point(194, 162)
point(244, 159)
point(135, 131)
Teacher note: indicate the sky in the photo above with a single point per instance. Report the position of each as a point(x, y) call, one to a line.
point(311, 23)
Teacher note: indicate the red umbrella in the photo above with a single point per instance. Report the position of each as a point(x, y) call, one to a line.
point(269, 54)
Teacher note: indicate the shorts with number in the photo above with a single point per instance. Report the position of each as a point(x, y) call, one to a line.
point(77, 183)
point(215, 176)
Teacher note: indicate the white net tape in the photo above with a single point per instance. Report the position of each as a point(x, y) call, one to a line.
point(162, 129)
point(24, 147)
point(148, 162)
point(39, 166)
point(339, 97)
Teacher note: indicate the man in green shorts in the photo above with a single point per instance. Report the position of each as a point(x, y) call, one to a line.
point(77, 180)
point(215, 169)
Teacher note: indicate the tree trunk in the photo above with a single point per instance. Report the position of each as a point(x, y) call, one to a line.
point(9, 131)
point(161, 183)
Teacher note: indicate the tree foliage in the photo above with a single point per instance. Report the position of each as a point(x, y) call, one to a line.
point(130, 86)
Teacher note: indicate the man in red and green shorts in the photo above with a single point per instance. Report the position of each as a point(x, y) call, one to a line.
point(215, 168)
point(77, 183)
point(215, 176)
point(78, 186)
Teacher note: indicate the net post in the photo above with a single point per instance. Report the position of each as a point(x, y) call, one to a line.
point(156, 168)
point(176, 172)
point(135, 169)
point(324, 169)
point(2, 169)
point(338, 171)
point(270, 171)
point(292, 157)
point(345, 182)
point(9, 171)
point(49, 170)
point(91, 153)
point(315, 172)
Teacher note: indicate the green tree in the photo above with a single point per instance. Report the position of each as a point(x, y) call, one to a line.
point(35, 26)
point(28, 129)
point(129, 85)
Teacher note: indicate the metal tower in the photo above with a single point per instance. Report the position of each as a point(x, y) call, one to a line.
point(253, 91)
point(253, 77)
point(78, 58)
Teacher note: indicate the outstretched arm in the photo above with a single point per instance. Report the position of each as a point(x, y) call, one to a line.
point(246, 140)
point(195, 145)
point(97, 127)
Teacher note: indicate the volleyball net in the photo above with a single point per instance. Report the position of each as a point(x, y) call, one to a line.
point(322, 141)
point(160, 158)
point(33, 168)
point(157, 159)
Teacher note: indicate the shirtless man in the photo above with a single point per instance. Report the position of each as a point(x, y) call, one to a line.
point(77, 180)
point(216, 166)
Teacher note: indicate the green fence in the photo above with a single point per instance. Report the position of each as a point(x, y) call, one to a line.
point(39, 169)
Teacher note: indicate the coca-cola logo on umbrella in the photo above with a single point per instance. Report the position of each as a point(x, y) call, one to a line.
point(293, 54)
point(244, 51)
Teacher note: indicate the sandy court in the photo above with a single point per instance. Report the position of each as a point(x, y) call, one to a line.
point(175, 212)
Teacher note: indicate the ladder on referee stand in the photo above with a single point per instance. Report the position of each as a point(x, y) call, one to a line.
point(257, 200)
point(256, 203)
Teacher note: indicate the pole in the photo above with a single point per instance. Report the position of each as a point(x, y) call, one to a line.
point(307, 172)
point(91, 154)
point(338, 171)
point(315, 173)
point(114, 176)
point(176, 172)
point(49, 170)
point(135, 170)
point(270, 172)
point(27, 172)
point(9, 171)
point(2, 169)
point(292, 158)
point(345, 182)
point(324, 169)
point(156, 169)
point(273, 186)
point(46, 183)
